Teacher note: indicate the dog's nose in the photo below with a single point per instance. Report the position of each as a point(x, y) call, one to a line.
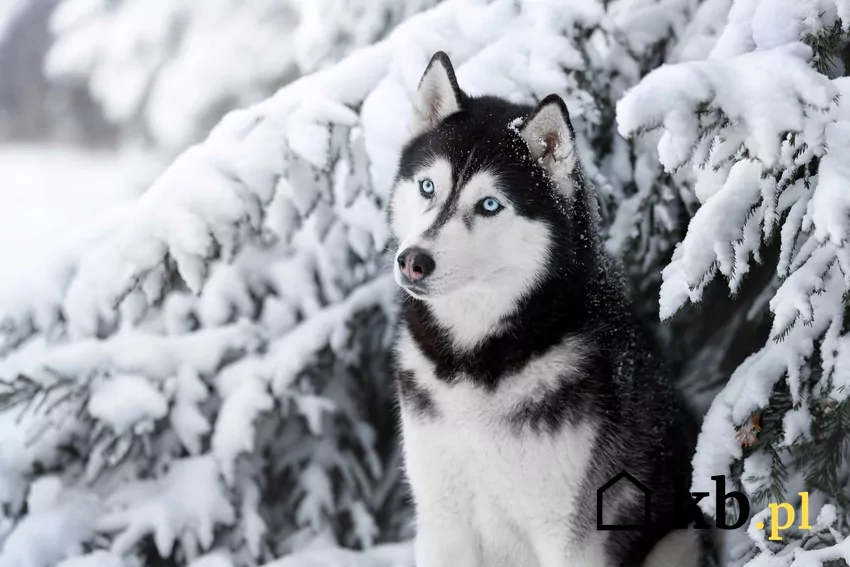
point(415, 264)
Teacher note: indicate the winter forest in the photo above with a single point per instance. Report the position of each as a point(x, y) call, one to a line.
point(196, 310)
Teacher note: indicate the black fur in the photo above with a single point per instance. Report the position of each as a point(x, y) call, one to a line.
point(416, 397)
point(566, 404)
point(645, 427)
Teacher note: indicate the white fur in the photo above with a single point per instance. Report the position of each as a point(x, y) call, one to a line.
point(680, 548)
point(488, 496)
point(412, 213)
point(480, 273)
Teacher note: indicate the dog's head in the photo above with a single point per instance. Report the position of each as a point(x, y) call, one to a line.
point(482, 191)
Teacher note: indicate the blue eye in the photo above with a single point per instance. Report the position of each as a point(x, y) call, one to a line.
point(489, 206)
point(426, 187)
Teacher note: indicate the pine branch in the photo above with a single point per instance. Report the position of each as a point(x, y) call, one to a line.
point(825, 45)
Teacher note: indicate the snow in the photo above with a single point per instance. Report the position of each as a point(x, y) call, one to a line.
point(133, 352)
point(9, 11)
point(712, 231)
point(234, 429)
point(647, 23)
point(749, 387)
point(98, 558)
point(186, 504)
point(215, 559)
point(48, 191)
point(702, 31)
point(245, 385)
point(797, 424)
point(827, 516)
point(759, 93)
point(829, 207)
point(60, 520)
point(394, 555)
point(187, 419)
point(126, 401)
point(56, 202)
point(765, 24)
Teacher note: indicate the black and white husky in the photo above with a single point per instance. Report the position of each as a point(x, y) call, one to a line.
point(525, 380)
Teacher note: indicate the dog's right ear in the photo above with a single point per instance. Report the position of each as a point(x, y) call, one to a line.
point(551, 140)
point(438, 95)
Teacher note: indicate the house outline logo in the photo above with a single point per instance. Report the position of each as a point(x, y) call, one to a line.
point(600, 492)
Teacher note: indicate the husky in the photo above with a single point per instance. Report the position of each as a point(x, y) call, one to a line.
point(525, 380)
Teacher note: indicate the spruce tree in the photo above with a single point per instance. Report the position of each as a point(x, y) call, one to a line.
point(759, 125)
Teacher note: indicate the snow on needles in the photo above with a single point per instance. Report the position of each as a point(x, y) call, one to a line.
point(60, 520)
point(758, 91)
point(394, 555)
point(750, 120)
point(188, 502)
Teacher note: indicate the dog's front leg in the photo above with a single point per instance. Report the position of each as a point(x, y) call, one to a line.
point(448, 544)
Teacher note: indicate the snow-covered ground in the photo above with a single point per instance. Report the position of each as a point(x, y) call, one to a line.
point(50, 194)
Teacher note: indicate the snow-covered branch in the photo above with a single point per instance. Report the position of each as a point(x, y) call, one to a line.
point(764, 133)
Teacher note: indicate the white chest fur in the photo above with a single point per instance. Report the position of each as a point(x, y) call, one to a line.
point(488, 494)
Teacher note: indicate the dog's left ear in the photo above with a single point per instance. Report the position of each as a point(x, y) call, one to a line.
point(438, 95)
point(550, 138)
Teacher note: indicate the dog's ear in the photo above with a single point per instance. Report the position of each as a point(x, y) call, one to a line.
point(438, 95)
point(551, 140)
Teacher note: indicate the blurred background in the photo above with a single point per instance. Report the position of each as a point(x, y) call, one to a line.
point(98, 96)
